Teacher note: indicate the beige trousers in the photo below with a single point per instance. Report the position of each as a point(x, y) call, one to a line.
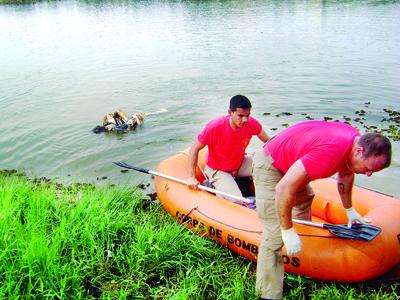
point(225, 181)
point(269, 275)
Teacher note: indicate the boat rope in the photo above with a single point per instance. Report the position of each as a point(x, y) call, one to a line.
point(253, 231)
point(228, 225)
point(323, 236)
point(194, 208)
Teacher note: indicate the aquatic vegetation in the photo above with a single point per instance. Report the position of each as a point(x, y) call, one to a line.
point(389, 124)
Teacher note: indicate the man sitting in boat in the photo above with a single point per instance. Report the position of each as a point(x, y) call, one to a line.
point(119, 122)
point(227, 138)
point(282, 171)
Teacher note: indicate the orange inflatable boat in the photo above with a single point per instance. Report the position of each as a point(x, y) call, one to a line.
point(324, 256)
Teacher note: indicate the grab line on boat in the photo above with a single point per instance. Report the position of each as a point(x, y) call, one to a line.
point(215, 220)
point(252, 231)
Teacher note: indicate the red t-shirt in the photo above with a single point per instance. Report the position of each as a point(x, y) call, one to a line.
point(226, 146)
point(323, 147)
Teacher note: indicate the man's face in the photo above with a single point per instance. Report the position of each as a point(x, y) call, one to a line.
point(367, 165)
point(239, 117)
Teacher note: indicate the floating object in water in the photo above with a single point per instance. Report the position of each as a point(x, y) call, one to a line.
point(119, 122)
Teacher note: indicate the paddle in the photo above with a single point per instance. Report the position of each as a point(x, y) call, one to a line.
point(363, 232)
point(201, 187)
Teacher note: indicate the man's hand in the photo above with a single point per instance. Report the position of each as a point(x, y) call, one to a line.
point(291, 240)
point(192, 163)
point(353, 216)
point(192, 183)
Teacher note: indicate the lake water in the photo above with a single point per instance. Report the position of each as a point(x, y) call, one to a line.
point(65, 64)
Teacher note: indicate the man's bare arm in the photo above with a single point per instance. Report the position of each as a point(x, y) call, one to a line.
point(263, 136)
point(192, 164)
point(345, 184)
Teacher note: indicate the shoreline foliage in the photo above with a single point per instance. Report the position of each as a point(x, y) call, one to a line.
point(18, 1)
point(84, 242)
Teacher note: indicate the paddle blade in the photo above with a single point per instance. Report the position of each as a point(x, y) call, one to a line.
point(363, 232)
point(128, 166)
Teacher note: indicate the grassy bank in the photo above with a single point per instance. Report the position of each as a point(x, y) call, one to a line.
point(82, 242)
point(17, 1)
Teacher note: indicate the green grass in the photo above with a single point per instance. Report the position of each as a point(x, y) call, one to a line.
point(17, 1)
point(82, 242)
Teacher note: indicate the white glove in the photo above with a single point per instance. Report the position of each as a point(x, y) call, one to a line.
point(291, 240)
point(353, 216)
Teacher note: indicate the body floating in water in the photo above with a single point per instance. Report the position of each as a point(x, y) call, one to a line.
point(119, 122)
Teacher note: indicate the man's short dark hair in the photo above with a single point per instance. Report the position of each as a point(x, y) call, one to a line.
point(239, 101)
point(376, 144)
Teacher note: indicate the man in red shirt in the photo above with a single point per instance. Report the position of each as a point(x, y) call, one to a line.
point(227, 138)
point(282, 171)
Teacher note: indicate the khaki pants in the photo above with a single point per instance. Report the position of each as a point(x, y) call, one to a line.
point(225, 181)
point(269, 276)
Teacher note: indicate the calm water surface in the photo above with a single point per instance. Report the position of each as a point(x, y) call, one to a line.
point(63, 65)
